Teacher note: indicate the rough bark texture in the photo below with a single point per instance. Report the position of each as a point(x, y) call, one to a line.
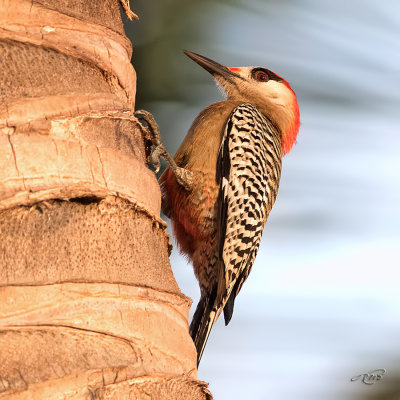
point(89, 307)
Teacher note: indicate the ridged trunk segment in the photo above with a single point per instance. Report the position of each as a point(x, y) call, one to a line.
point(89, 307)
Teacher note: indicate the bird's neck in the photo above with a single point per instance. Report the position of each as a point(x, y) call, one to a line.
point(286, 118)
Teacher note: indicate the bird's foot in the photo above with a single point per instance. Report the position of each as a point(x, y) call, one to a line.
point(183, 176)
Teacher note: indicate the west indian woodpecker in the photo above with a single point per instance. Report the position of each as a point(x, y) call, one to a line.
point(223, 181)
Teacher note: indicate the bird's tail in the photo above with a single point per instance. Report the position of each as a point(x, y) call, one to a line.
point(202, 322)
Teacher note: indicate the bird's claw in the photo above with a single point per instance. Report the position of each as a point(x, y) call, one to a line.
point(151, 126)
point(158, 152)
point(183, 176)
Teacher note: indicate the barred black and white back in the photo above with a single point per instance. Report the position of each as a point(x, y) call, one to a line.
point(248, 175)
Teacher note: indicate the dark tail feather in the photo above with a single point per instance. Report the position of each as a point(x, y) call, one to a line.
point(202, 322)
point(228, 309)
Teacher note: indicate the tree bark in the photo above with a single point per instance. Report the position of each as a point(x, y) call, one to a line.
point(89, 307)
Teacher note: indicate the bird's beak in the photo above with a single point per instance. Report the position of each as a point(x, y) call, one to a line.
point(214, 68)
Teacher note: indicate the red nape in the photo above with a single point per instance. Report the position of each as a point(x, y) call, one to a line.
point(289, 137)
point(234, 69)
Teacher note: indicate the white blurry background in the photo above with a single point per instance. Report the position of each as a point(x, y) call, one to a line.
point(322, 303)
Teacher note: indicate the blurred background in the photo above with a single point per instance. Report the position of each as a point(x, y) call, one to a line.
point(322, 303)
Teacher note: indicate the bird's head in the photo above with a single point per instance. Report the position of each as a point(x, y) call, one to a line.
point(269, 92)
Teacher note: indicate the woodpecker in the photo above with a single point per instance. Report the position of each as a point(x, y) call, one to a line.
point(231, 157)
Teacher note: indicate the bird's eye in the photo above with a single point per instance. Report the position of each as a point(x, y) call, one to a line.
point(261, 76)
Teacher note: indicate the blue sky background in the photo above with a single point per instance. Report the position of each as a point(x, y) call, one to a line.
point(322, 303)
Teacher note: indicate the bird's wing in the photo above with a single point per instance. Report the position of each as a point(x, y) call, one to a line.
point(248, 174)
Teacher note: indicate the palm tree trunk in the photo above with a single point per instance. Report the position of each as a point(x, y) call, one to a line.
point(89, 307)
